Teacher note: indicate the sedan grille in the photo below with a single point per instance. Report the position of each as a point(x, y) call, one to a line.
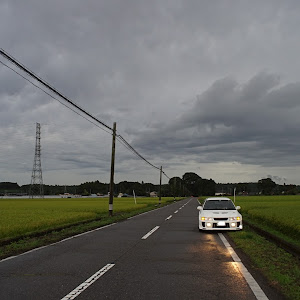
point(215, 225)
point(220, 219)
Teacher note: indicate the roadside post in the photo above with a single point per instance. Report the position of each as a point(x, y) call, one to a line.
point(134, 196)
point(234, 194)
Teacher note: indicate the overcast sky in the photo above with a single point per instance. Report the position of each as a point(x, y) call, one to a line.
point(211, 87)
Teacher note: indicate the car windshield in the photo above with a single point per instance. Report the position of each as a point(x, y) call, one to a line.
point(219, 205)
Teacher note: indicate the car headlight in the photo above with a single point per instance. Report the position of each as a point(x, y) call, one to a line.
point(234, 218)
point(206, 219)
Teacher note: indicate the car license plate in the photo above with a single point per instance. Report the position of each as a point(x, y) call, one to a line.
point(221, 223)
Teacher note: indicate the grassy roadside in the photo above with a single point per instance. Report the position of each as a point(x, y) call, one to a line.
point(265, 226)
point(280, 268)
point(28, 243)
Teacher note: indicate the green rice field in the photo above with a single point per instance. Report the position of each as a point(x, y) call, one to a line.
point(276, 213)
point(20, 217)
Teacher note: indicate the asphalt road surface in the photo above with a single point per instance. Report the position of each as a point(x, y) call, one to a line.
point(157, 255)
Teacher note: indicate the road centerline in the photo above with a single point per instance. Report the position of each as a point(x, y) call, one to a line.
point(83, 286)
point(150, 232)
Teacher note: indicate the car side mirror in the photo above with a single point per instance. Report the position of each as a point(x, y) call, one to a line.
point(238, 207)
point(199, 207)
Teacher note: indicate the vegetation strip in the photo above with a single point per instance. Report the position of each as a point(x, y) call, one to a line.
point(280, 268)
point(293, 249)
point(33, 239)
point(4, 242)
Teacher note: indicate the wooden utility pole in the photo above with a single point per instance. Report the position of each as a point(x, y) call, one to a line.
point(112, 171)
point(160, 185)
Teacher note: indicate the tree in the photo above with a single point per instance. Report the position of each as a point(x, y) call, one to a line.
point(175, 184)
point(208, 187)
point(192, 182)
point(266, 185)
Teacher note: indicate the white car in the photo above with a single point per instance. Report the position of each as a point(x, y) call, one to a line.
point(219, 213)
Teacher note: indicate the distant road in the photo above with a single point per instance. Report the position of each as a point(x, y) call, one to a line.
point(156, 255)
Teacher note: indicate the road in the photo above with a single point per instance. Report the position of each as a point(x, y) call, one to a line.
point(157, 255)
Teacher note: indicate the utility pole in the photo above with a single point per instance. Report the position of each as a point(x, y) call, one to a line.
point(174, 194)
point(160, 185)
point(112, 171)
point(36, 186)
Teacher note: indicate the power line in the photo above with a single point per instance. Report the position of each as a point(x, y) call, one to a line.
point(135, 152)
point(76, 112)
point(31, 74)
point(52, 89)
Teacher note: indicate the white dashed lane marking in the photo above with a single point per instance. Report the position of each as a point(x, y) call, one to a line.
point(150, 232)
point(168, 218)
point(77, 291)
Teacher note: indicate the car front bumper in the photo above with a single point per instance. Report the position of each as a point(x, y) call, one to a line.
point(217, 225)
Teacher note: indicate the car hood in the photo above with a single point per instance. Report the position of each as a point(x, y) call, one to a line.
point(220, 213)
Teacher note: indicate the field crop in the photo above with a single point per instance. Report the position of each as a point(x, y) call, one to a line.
point(21, 217)
point(280, 213)
point(280, 216)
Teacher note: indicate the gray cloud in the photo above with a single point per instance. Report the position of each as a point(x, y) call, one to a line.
point(142, 64)
point(255, 123)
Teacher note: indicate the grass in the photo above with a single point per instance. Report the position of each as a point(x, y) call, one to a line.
point(280, 268)
point(279, 215)
point(21, 217)
point(23, 220)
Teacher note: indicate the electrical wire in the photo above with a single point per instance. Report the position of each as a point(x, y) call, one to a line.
point(31, 74)
point(43, 82)
point(76, 112)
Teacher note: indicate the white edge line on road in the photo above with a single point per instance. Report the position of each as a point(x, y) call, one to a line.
point(146, 212)
point(77, 291)
point(176, 211)
point(150, 232)
point(256, 289)
point(64, 240)
point(168, 218)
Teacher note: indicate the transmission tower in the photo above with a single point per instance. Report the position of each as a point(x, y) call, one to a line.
point(36, 186)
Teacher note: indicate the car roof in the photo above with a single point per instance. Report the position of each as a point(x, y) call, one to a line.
point(217, 198)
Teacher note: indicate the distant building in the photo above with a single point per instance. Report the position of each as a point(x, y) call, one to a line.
point(153, 194)
point(220, 194)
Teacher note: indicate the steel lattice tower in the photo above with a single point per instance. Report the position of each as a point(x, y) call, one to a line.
point(36, 186)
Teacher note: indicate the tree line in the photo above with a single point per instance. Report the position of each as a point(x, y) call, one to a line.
point(190, 184)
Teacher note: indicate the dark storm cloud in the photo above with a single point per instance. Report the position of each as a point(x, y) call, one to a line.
point(253, 123)
point(140, 63)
